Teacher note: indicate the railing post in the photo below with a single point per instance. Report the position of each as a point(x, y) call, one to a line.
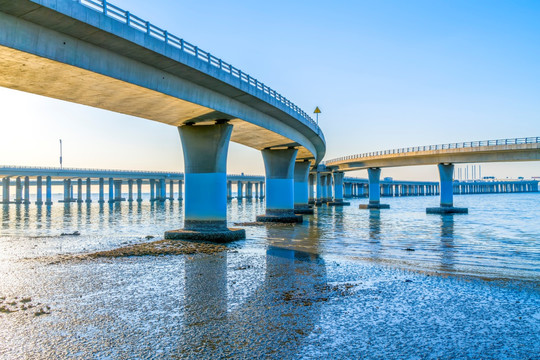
point(148, 27)
point(128, 18)
point(166, 35)
point(104, 4)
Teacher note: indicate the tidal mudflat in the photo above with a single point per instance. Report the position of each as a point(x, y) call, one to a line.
point(344, 284)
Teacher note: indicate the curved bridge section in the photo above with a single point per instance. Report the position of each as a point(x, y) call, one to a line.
point(93, 53)
point(444, 156)
point(518, 149)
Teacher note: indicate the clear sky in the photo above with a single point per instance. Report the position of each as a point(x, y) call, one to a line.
point(386, 74)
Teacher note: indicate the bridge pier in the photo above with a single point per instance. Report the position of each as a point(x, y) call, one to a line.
point(139, 190)
point(324, 188)
point(18, 190)
point(101, 190)
point(171, 190)
point(79, 191)
point(39, 190)
point(446, 173)
point(249, 190)
point(205, 158)
point(239, 190)
point(48, 191)
point(263, 191)
point(374, 175)
point(152, 190)
point(5, 190)
point(162, 190)
point(88, 190)
point(118, 191)
point(26, 199)
point(130, 190)
point(229, 190)
point(279, 167)
point(257, 193)
point(338, 190)
point(319, 186)
point(301, 187)
point(311, 192)
point(111, 190)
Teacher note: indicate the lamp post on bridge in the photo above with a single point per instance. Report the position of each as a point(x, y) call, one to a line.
point(317, 112)
point(60, 153)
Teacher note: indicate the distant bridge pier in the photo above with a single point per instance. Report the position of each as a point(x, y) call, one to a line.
point(257, 194)
point(130, 190)
point(162, 191)
point(67, 192)
point(18, 190)
point(152, 190)
point(319, 187)
point(139, 190)
point(446, 173)
point(118, 191)
point(311, 191)
point(301, 187)
point(26, 199)
point(39, 190)
point(5, 190)
point(101, 190)
point(329, 189)
point(324, 187)
point(88, 190)
point(111, 190)
point(239, 190)
point(262, 187)
point(229, 190)
point(180, 191)
point(249, 190)
point(48, 191)
point(374, 175)
point(79, 191)
point(171, 190)
point(205, 209)
point(279, 167)
point(338, 190)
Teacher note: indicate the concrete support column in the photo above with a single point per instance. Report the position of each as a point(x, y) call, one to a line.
point(279, 168)
point(26, 190)
point(229, 190)
point(5, 190)
point(67, 191)
point(311, 190)
point(18, 190)
point(205, 209)
point(249, 190)
point(329, 190)
point(48, 191)
point(39, 190)
point(374, 175)
point(88, 190)
point(256, 194)
point(446, 174)
point(79, 191)
point(161, 190)
point(101, 190)
point(111, 190)
point(301, 187)
point(240, 190)
point(320, 186)
point(152, 190)
point(139, 190)
point(130, 190)
point(324, 188)
point(262, 190)
point(118, 190)
point(338, 189)
point(171, 190)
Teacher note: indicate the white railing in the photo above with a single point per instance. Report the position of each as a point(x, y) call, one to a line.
point(469, 144)
point(138, 23)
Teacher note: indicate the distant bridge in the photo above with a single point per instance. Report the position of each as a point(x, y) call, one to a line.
point(445, 156)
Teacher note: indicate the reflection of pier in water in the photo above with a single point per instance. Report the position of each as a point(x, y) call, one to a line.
point(271, 321)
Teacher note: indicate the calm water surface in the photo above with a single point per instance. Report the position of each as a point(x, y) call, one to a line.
point(499, 238)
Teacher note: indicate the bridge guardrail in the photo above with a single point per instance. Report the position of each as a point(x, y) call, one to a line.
point(468, 144)
point(142, 25)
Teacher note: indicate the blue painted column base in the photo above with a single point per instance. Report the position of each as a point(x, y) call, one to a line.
point(214, 231)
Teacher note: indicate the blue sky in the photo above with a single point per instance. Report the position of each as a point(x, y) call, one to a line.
point(386, 74)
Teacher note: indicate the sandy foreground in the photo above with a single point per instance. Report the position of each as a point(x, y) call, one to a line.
point(205, 301)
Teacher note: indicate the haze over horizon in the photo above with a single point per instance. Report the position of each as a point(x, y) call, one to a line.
point(385, 75)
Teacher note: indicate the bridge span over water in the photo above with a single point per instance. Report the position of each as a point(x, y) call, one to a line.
point(93, 53)
point(444, 156)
